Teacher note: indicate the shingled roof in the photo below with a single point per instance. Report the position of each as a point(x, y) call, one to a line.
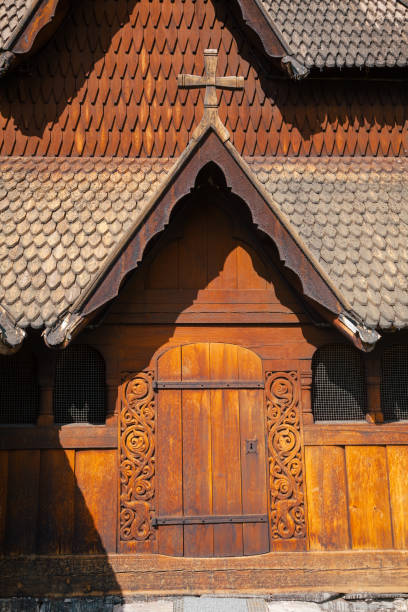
point(315, 33)
point(60, 219)
point(321, 34)
point(12, 13)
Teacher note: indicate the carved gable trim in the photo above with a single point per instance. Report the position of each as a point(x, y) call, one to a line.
point(265, 213)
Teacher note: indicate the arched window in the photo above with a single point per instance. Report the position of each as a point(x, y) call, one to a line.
point(79, 390)
point(339, 387)
point(19, 391)
point(394, 383)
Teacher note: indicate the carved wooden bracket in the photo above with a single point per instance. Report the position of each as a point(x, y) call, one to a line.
point(285, 456)
point(11, 336)
point(137, 448)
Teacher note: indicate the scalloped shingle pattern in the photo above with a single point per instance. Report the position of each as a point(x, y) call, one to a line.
point(59, 220)
point(353, 215)
point(321, 34)
point(11, 13)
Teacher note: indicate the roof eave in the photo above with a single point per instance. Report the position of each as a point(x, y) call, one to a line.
point(272, 40)
point(39, 23)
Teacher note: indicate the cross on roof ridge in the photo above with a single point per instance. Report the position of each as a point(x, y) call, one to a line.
point(210, 81)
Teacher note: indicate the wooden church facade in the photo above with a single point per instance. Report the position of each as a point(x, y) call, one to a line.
point(204, 300)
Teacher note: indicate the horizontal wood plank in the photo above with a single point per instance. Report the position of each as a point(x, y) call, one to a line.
point(206, 296)
point(355, 434)
point(344, 572)
point(206, 318)
point(63, 437)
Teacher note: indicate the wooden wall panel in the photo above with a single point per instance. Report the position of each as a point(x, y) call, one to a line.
point(369, 499)
point(95, 501)
point(326, 489)
point(22, 501)
point(56, 502)
point(397, 457)
point(3, 495)
point(253, 466)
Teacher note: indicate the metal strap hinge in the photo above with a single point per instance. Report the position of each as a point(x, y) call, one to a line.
point(208, 384)
point(209, 520)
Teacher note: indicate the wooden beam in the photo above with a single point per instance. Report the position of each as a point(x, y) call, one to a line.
point(352, 434)
point(345, 572)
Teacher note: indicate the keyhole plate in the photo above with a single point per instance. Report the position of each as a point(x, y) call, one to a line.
point(251, 447)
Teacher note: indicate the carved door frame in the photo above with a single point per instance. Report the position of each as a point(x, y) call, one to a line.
point(284, 450)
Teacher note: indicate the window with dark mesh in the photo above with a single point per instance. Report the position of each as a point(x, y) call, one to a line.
point(339, 388)
point(394, 383)
point(19, 392)
point(79, 390)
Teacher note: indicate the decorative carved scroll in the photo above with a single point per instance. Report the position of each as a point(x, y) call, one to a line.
point(285, 456)
point(137, 457)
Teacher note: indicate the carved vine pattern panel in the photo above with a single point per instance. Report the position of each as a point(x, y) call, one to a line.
point(137, 457)
point(285, 456)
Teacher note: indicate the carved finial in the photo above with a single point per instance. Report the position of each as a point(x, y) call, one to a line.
point(210, 81)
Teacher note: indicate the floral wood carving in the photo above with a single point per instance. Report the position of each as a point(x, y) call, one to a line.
point(285, 456)
point(137, 457)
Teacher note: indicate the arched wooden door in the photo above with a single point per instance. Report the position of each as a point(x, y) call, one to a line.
point(211, 465)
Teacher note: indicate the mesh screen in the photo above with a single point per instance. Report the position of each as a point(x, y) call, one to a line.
point(79, 390)
point(339, 388)
point(19, 392)
point(394, 383)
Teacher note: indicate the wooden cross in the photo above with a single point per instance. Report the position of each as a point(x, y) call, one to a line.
point(210, 81)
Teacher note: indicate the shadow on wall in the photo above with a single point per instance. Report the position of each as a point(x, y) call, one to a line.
point(56, 500)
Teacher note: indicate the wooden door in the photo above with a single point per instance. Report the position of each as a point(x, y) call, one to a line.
point(211, 464)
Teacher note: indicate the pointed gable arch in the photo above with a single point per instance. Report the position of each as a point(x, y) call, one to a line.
point(209, 146)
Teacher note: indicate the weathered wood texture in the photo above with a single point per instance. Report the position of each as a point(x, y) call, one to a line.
point(343, 572)
point(106, 84)
point(357, 497)
point(57, 502)
point(216, 475)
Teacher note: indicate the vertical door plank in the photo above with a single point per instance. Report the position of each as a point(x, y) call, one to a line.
point(253, 466)
point(398, 469)
point(22, 501)
point(56, 503)
point(3, 496)
point(326, 487)
point(369, 507)
point(197, 472)
point(95, 501)
point(169, 454)
point(226, 460)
